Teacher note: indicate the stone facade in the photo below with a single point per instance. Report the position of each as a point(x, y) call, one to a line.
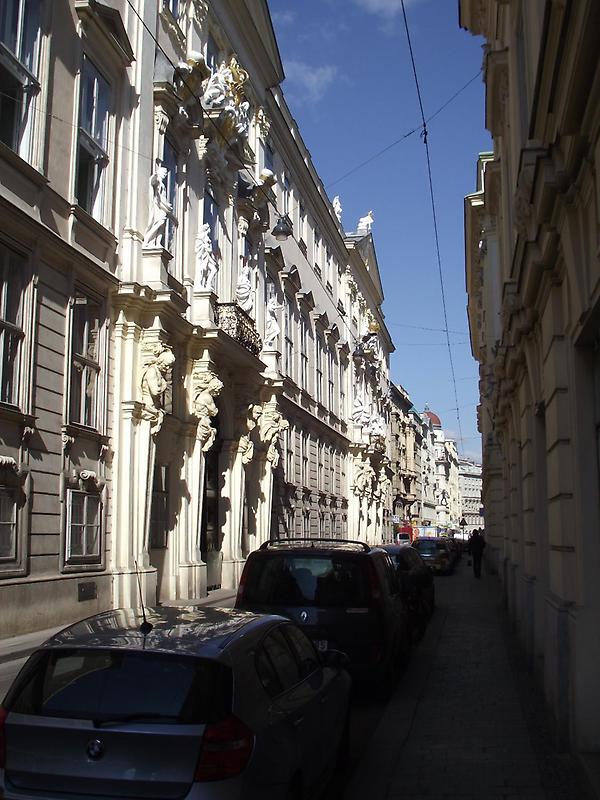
point(532, 244)
point(406, 438)
point(178, 385)
point(469, 487)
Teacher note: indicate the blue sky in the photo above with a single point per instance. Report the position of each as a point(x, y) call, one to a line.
point(350, 86)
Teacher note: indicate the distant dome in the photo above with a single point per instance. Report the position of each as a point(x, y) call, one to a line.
point(435, 420)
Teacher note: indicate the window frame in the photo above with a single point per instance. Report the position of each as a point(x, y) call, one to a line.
point(94, 560)
point(162, 494)
point(303, 354)
point(288, 337)
point(100, 366)
point(319, 376)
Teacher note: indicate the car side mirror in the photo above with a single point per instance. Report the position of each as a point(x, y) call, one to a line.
point(334, 658)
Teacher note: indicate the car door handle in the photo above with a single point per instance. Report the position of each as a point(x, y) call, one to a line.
point(297, 721)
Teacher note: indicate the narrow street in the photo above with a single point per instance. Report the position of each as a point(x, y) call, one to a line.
point(465, 720)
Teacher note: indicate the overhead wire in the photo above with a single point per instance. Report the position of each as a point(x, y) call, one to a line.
point(424, 135)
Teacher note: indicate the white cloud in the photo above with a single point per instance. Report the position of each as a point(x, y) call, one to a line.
point(385, 8)
point(283, 17)
point(311, 82)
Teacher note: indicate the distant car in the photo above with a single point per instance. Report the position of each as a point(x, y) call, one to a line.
point(210, 704)
point(416, 581)
point(436, 554)
point(344, 595)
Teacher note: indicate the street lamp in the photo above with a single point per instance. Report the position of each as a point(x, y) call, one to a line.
point(283, 229)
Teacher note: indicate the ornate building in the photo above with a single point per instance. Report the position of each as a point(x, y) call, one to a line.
point(178, 384)
point(469, 488)
point(406, 439)
point(532, 243)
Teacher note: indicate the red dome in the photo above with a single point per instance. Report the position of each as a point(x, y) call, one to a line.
point(435, 420)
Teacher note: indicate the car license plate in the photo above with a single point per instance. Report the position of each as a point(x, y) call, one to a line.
point(321, 645)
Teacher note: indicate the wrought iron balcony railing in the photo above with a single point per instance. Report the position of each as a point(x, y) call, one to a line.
point(237, 324)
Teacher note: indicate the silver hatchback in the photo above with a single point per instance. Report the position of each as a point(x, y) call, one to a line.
point(198, 704)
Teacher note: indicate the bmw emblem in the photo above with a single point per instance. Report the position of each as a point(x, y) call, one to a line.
point(95, 749)
point(303, 616)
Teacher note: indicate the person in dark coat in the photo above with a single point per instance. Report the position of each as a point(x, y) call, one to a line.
point(477, 546)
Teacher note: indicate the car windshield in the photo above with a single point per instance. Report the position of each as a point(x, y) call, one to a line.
point(112, 685)
point(293, 580)
point(430, 546)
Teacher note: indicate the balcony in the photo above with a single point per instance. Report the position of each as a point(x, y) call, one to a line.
point(236, 323)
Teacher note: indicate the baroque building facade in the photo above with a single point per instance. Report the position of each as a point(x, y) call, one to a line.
point(405, 442)
point(469, 488)
point(532, 243)
point(178, 385)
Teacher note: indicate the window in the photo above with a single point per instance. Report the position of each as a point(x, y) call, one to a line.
point(83, 529)
point(211, 217)
point(92, 156)
point(8, 524)
point(19, 65)
point(319, 346)
point(303, 352)
point(85, 366)
point(304, 650)
point(159, 514)
point(317, 252)
point(327, 275)
point(173, 6)
point(11, 323)
point(342, 409)
point(332, 458)
point(212, 53)
point(305, 443)
point(302, 221)
point(287, 195)
point(289, 455)
point(269, 157)
point(320, 466)
point(170, 158)
point(330, 381)
point(288, 334)
point(283, 662)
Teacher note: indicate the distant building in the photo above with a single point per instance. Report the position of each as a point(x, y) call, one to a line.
point(469, 488)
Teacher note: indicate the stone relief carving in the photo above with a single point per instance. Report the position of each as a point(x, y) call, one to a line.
point(360, 415)
point(364, 224)
point(206, 263)
point(207, 387)
point(364, 475)
point(224, 91)
point(337, 207)
point(253, 415)
point(376, 426)
point(243, 290)
point(272, 328)
point(263, 122)
point(160, 208)
point(272, 424)
point(156, 380)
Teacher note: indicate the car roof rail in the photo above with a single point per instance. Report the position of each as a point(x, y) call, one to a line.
point(311, 542)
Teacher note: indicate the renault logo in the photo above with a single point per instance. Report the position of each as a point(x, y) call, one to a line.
point(95, 749)
point(304, 616)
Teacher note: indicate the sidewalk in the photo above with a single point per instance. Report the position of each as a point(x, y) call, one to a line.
point(466, 721)
point(13, 648)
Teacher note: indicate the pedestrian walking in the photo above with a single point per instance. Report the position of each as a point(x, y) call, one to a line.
point(477, 546)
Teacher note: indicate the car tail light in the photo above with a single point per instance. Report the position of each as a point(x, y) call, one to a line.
point(242, 584)
point(226, 747)
point(3, 716)
point(374, 586)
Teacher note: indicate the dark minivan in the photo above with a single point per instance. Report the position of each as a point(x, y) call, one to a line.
point(343, 594)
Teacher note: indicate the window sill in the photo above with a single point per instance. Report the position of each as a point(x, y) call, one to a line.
point(71, 567)
point(100, 230)
point(73, 430)
point(12, 413)
point(14, 159)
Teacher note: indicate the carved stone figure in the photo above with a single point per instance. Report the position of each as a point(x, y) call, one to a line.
point(363, 476)
point(217, 88)
point(272, 328)
point(243, 290)
point(337, 207)
point(156, 379)
point(160, 208)
point(208, 386)
point(377, 426)
point(364, 224)
point(247, 439)
point(206, 263)
point(360, 415)
point(272, 424)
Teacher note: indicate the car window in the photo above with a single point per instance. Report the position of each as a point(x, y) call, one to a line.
point(297, 579)
point(387, 574)
point(267, 674)
point(413, 559)
point(283, 660)
point(304, 650)
point(108, 684)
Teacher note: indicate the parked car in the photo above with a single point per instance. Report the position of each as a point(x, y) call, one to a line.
point(416, 582)
point(436, 554)
point(345, 595)
point(203, 703)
